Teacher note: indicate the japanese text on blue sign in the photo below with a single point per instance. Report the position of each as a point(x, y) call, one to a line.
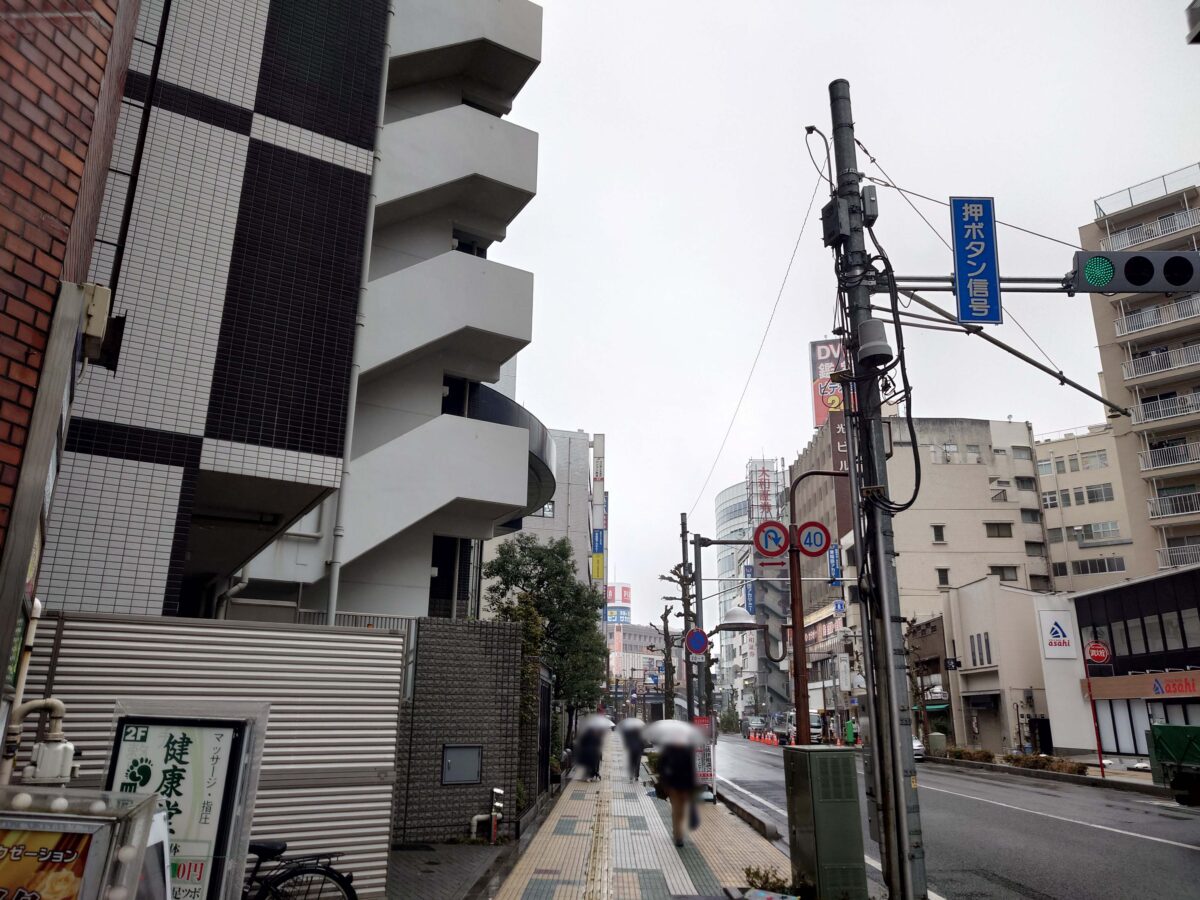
point(597, 540)
point(976, 271)
point(748, 588)
point(835, 564)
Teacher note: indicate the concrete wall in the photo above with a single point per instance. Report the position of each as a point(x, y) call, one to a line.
point(466, 691)
point(1068, 709)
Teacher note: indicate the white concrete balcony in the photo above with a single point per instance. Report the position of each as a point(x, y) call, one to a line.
point(462, 474)
point(1144, 232)
point(1178, 556)
point(1185, 310)
point(480, 313)
point(1175, 409)
point(496, 44)
point(1144, 368)
point(1169, 457)
point(1174, 505)
point(480, 168)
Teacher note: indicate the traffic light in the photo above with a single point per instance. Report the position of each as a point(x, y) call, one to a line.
point(1151, 272)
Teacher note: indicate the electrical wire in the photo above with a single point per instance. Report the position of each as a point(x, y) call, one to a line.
point(828, 173)
point(758, 353)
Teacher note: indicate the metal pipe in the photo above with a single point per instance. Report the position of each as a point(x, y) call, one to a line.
point(10, 747)
point(339, 507)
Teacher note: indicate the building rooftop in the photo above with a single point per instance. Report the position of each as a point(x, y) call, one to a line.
point(1179, 180)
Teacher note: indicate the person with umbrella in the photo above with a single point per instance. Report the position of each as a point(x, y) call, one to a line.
point(631, 732)
point(591, 744)
point(677, 768)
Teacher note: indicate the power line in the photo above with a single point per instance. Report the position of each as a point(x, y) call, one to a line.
point(761, 344)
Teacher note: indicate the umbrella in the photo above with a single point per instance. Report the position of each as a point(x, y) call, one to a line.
point(632, 723)
point(595, 722)
point(673, 732)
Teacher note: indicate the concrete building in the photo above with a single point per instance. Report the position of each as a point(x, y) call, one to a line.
point(1151, 364)
point(733, 524)
point(1088, 530)
point(224, 418)
point(439, 460)
point(824, 499)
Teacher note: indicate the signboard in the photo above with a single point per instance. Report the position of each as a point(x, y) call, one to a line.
point(193, 765)
point(43, 864)
point(839, 607)
point(1098, 652)
point(812, 539)
point(626, 594)
point(952, 663)
point(771, 539)
point(826, 357)
point(1057, 640)
point(696, 641)
point(748, 588)
point(976, 272)
point(597, 566)
point(621, 614)
point(1152, 686)
point(597, 540)
point(835, 569)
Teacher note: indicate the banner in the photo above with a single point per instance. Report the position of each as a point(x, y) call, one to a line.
point(827, 357)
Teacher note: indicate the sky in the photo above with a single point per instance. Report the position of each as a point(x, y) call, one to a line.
point(673, 181)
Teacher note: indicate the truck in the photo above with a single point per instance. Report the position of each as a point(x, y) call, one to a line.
point(786, 731)
point(1175, 760)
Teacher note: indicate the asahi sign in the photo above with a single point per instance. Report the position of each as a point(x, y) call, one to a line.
point(1151, 686)
point(1058, 634)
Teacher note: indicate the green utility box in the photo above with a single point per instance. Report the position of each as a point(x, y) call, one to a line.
point(1175, 760)
point(824, 824)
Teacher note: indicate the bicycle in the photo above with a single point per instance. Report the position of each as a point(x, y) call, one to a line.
point(309, 877)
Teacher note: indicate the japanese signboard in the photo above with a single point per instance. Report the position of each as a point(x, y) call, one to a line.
point(1058, 640)
point(748, 588)
point(597, 540)
point(827, 357)
point(192, 765)
point(42, 864)
point(976, 271)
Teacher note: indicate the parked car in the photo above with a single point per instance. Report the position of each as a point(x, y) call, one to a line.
point(752, 723)
point(918, 749)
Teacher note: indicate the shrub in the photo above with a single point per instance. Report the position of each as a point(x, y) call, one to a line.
point(765, 879)
point(970, 755)
point(1046, 763)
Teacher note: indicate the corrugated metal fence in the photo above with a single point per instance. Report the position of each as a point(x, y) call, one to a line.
point(329, 760)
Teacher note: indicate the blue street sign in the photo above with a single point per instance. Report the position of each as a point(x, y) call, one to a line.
point(839, 607)
point(597, 540)
point(835, 565)
point(748, 588)
point(976, 270)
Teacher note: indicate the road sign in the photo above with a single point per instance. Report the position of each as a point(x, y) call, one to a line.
point(771, 539)
point(835, 566)
point(696, 641)
point(839, 607)
point(976, 271)
point(748, 589)
point(1097, 652)
point(812, 538)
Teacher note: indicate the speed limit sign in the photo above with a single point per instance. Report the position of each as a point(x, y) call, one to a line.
point(812, 538)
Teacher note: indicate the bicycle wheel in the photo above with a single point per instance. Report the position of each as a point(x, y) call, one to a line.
point(312, 883)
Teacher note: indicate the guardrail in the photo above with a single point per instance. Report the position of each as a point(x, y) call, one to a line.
point(1163, 314)
point(1148, 231)
point(1174, 505)
point(1178, 358)
point(1178, 556)
point(1165, 457)
point(1165, 409)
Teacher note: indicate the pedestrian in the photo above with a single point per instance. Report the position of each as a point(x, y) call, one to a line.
point(677, 772)
point(589, 753)
point(634, 748)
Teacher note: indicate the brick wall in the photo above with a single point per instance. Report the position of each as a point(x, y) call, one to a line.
point(465, 691)
point(62, 71)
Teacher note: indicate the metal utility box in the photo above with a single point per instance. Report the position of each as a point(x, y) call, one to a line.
point(824, 824)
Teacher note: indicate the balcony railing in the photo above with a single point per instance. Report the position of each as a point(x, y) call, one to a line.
point(1174, 505)
point(1152, 316)
point(1162, 362)
point(1148, 231)
point(1188, 176)
point(1164, 457)
point(1178, 556)
point(353, 620)
point(1165, 409)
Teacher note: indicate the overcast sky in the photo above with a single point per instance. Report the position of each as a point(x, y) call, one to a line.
point(673, 181)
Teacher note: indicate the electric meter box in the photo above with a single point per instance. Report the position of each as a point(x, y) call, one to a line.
point(72, 843)
point(824, 825)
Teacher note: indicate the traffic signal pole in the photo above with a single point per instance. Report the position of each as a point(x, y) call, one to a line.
point(905, 873)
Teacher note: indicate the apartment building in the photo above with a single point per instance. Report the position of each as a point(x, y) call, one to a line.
point(1089, 537)
point(440, 460)
point(1150, 358)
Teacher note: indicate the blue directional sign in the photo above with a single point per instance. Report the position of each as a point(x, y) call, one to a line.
point(835, 565)
point(976, 270)
point(839, 607)
point(748, 588)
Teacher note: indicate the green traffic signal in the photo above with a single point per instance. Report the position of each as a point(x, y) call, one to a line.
point(1099, 271)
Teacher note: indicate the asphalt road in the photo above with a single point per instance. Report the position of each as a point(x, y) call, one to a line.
point(990, 835)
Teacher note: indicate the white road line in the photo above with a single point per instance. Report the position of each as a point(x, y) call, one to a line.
point(873, 863)
point(1034, 812)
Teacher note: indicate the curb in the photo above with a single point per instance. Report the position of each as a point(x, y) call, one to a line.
point(1117, 784)
point(751, 818)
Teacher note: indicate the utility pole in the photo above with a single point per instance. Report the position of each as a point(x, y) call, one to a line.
point(904, 869)
point(685, 578)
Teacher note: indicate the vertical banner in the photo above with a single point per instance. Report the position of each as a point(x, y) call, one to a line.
point(827, 357)
point(976, 269)
point(748, 588)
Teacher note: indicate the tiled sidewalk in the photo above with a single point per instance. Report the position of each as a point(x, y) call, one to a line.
point(611, 840)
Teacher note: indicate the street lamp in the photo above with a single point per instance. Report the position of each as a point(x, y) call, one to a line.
point(738, 621)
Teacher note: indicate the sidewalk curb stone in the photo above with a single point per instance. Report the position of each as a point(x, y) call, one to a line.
point(1117, 784)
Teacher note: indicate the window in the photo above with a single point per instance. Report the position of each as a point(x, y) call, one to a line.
point(1060, 570)
point(973, 450)
point(950, 447)
point(1191, 626)
point(1172, 631)
point(1080, 497)
point(1022, 453)
point(943, 577)
point(1094, 459)
point(1031, 516)
point(1039, 583)
point(987, 646)
point(1154, 635)
point(939, 534)
point(546, 511)
point(1055, 536)
point(1098, 531)
point(1025, 483)
point(1035, 549)
point(974, 657)
point(1060, 466)
point(1049, 500)
point(998, 529)
point(1000, 451)
point(1098, 493)
point(1098, 566)
point(1006, 573)
point(1043, 466)
point(1137, 640)
point(1073, 462)
point(1064, 498)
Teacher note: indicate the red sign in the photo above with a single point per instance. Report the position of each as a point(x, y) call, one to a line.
point(771, 539)
point(812, 538)
point(1097, 652)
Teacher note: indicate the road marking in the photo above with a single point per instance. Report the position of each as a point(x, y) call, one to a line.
point(873, 863)
point(1144, 837)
